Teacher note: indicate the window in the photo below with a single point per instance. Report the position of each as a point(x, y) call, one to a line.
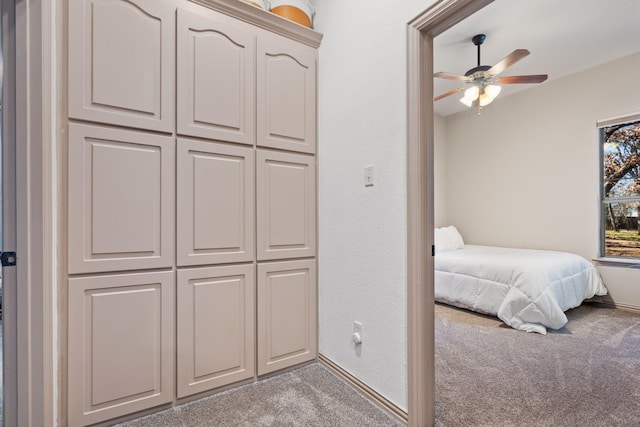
point(620, 189)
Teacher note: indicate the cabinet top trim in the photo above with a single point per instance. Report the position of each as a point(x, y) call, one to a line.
point(263, 19)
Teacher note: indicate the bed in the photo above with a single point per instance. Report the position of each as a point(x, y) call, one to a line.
point(527, 289)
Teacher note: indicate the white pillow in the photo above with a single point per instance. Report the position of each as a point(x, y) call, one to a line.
point(447, 239)
point(455, 237)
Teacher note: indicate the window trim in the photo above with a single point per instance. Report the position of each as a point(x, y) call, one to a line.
point(603, 258)
point(610, 261)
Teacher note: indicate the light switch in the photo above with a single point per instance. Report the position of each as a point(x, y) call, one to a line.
point(368, 176)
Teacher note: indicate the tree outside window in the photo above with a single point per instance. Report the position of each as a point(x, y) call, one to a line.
point(621, 189)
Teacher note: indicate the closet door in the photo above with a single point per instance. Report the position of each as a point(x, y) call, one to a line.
point(120, 201)
point(121, 62)
point(286, 205)
point(215, 203)
point(121, 345)
point(216, 74)
point(286, 93)
point(287, 311)
point(216, 327)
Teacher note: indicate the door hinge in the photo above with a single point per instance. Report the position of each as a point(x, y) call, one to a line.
point(433, 250)
point(8, 259)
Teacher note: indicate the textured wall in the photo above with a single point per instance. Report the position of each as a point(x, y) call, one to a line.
point(526, 172)
point(362, 231)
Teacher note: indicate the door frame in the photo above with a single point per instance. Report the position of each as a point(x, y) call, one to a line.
point(29, 191)
point(420, 204)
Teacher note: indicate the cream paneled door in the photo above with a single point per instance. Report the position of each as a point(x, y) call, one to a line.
point(121, 62)
point(215, 203)
point(216, 75)
point(286, 205)
point(286, 95)
point(121, 346)
point(216, 327)
point(120, 198)
point(287, 310)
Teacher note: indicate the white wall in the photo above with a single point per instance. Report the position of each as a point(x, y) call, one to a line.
point(362, 231)
point(526, 172)
point(439, 171)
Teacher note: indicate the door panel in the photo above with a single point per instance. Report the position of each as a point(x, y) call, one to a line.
point(120, 345)
point(286, 95)
point(286, 210)
point(287, 312)
point(215, 203)
point(121, 186)
point(216, 327)
point(216, 75)
point(121, 62)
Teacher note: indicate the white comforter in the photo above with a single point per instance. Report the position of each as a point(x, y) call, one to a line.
point(526, 289)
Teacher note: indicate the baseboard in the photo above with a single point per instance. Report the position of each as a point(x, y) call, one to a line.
point(367, 391)
point(619, 306)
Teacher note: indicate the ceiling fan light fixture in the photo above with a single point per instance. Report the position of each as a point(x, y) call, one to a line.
point(485, 100)
point(489, 93)
point(466, 101)
point(492, 90)
point(470, 95)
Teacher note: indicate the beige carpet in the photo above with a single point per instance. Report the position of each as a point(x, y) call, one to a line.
point(309, 396)
point(586, 374)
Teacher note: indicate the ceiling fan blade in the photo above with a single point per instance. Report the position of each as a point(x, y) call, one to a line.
point(451, 92)
point(508, 61)
point(450, 76)
point(534, 78)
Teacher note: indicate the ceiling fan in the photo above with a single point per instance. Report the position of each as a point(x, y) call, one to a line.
point(484, 79)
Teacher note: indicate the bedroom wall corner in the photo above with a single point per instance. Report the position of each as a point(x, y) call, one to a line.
point(362, 243)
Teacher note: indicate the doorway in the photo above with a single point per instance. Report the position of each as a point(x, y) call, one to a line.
point(420, 204)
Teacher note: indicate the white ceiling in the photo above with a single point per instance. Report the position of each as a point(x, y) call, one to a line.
point(564, 37)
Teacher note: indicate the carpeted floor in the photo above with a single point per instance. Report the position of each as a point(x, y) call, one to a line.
point(487, 374)
point(586, 374)
point(310, 396)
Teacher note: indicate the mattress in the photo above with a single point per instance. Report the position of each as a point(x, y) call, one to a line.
point(527, 289)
